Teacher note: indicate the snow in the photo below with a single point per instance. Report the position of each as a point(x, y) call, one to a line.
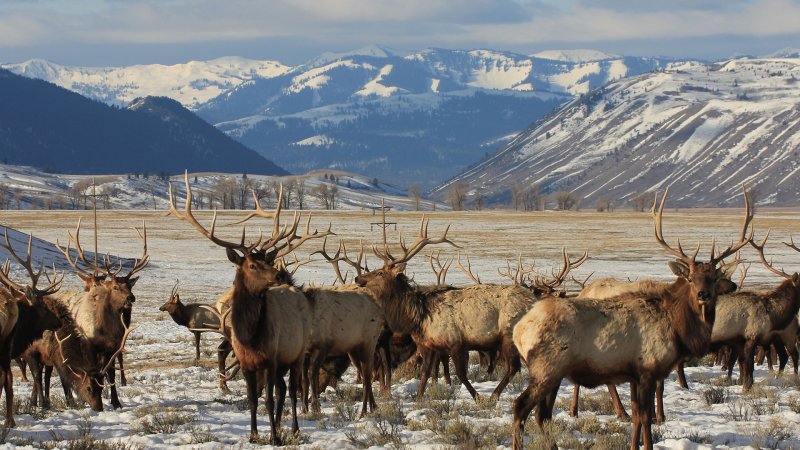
point(576, 55)
point(374, 86)
point(159, 353)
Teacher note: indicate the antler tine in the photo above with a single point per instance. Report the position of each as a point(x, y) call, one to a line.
point(582, 284)
point(174, 289)
point(296, 264)
point(768, 265)
point(59, 342)
point(292, 241)
point(422, 241)
point(333, 260)
point(28, 266)
point(559, 278)
point(441, 273)
point(743, 237)
point(187, 216)
point(66, 250)
point(259, 212)
point(468, 270)
point(356, 265)
point(142, 262)
point(221, 317)
point(791, 243)
point(121, 346)
point(659, 232)
point(742, 275)
point(5, 278)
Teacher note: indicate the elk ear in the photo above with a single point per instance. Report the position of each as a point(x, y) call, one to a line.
point(132, 282)
point(234, 257)
point(29, 294)
point(679, 268)
point(400, 268)
point(88, 280)
point(729, 269)
point(725, 286)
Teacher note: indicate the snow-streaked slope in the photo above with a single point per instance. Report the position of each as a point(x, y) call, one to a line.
point(191, 83)
point(575, 55)
point(704, 130)
point(28, 188)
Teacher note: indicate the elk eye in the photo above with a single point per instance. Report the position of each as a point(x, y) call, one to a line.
point(253, 266)
point(116, 288)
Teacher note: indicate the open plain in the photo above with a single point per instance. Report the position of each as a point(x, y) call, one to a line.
point(168, 402)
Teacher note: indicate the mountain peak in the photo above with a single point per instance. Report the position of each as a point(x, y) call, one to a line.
point(787, 52)
point(575, 55)
point(376, 51)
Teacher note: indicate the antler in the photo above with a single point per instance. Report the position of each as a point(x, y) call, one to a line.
point(55, 282)
point(221, 317)
point(468, 269)
point(187, 216)
point(142, 262)
point(333, 260)
point(743, 238)
point(357, 264)
point(441, 272)
point(550, 285)
point(518, 274)
point(419, 243)
point(174, 294)
point(768, 265)
point(680, 254)
point(743, 268)
point(582, 284)
point(296, 264)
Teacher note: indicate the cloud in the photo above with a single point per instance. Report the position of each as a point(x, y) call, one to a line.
point(340, 25)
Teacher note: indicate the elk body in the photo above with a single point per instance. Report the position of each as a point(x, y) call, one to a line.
point(635, 338)
point(346, 321)
point(191, 316)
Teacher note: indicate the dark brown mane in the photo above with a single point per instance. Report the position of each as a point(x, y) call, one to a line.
point(247, 312)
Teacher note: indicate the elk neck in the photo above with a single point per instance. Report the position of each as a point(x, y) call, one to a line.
point(782, 304)
point(691, 332)
point(404, 306)
point(248, 311)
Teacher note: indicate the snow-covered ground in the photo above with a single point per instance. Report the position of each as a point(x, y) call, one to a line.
point(169, 403)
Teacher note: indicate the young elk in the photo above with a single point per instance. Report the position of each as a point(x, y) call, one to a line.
point(25, 317)
point(636, 338)
point(270, 322)
point(748, 319)
point(191, 316)
point(106, 297)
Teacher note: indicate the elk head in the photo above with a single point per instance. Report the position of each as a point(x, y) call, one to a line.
point(174, 301)
point(256, 262)
point(393, 267)
point(704, 280)
point(88, 384)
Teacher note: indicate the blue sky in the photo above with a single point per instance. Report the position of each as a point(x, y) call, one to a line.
point(123, 32)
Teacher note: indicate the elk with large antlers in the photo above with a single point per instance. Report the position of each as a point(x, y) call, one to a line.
point(748, 319)
point(448, 320)
point(636, 338)
point(270, 322)
point(25, 314)
point(106, 296)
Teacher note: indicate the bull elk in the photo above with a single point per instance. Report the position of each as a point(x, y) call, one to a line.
point(636, 338)
point(25, 317)
point(270, 321)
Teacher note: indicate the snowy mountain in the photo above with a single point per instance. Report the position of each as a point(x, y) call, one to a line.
point(419, 117)
point(703, 130)
point(192, 83)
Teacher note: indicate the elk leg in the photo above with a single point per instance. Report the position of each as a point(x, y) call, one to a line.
point(773, 352)
point(111, 376)
point(365, 362)
point(272, 378)
point(37, 394)
point(460, 357)
point(646, 395)
point(280, 385)
point(122, 380)
point(22, 368)
point(783, 356)
point(761, 355)
point(294, 378)
point(48, 372)
point(8, 387)
point(748, 365)
point(660, 402)
point(251, 380)
point(428, 357)
point(636, 428)
point(512, 361)
point(792, 348)
point(522, 408)
point(681, 375)
point(576, 392)
point(223, 350)
point(618, 407)
point(317, 358)
point(305, 383)
point(444, 360)
point(385, 353)
point(196, 348)
point(545, 406)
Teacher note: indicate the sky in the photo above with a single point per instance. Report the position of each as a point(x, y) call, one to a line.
point(125, 32)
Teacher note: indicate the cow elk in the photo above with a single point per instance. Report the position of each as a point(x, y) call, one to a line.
point(636, 338)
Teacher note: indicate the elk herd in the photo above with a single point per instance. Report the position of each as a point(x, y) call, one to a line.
point(289, 337)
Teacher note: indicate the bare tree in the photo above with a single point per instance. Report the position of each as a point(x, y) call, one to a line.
point(289, 189)
point(477, 200)
point(457, 195)
point(565, 200)
point(226, 190)
point(243, 189)
point(641, 201)
point(605, 203)
point(300, 193)
point(528, 198)
point(327, 195)
point(3, 196)
point(415, 193)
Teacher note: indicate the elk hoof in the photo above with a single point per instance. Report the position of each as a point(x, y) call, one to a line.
point(123, 381)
